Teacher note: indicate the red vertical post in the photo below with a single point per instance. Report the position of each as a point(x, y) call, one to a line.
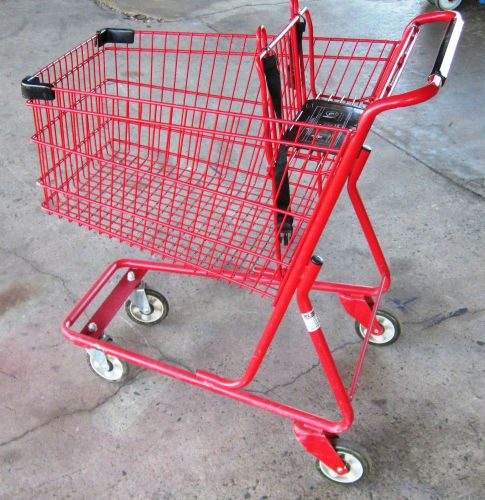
point(361, 213)
point(315, 331)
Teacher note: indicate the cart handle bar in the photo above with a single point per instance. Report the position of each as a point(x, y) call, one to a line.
point(450, 40)
point(438, 75)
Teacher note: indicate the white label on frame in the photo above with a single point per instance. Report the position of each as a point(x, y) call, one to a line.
point(311, 321)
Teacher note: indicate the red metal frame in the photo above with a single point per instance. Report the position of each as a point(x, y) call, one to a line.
point(90, 175)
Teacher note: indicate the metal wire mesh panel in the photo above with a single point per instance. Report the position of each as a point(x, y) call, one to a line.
point(348, 70)
point(214, 212)
point(166, 143)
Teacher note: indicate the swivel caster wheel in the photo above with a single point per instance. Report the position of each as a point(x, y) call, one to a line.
point(391, 329)
point(356, 460)
point(107, 367)
point(147, 307)
point(446, 4)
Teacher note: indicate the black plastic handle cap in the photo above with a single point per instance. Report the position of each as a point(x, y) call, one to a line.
point(33, 88)
point(317, 260)
point(115, 35)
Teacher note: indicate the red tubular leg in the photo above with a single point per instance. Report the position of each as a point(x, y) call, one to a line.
point(312, 440)
point(316, 334)
point(363, 217)
point(358, 306)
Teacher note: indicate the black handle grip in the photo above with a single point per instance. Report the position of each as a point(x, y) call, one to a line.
point(448, 47)
point(33, 88)
point(115, 35)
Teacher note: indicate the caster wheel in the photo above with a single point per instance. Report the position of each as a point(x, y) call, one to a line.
point(116, 371)
point(391, 329)
point(356, 460)
point(447, 4)
point(158, 306)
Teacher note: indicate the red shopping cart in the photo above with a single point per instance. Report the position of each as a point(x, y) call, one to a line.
point(224, 155)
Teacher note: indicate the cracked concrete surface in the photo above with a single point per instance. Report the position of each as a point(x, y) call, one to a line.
point(65, 415)
point(420, 404)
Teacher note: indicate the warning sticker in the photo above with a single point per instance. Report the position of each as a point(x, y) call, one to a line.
point(311, 321)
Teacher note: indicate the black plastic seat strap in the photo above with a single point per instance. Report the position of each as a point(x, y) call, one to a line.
point(284, 222)
point(273, 81)
point(282, 184)
point(300, 29)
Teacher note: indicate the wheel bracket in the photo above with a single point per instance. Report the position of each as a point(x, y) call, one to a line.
point(318, 444)
point(139, 299)
point(99, 357)
point(360, 308)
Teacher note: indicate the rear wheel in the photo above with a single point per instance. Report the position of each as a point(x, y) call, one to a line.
point(115, 370)
point(391, 329)
point(446, 4)
point(158, 309)
point(355, 459)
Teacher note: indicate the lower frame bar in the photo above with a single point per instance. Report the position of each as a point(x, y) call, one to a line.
point(319, 424)
point(308, 419)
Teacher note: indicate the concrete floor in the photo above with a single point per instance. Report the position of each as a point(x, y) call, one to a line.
point(420, 409)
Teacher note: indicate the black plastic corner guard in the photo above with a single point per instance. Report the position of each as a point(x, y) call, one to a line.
point(33, 88)
point(115, 35)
